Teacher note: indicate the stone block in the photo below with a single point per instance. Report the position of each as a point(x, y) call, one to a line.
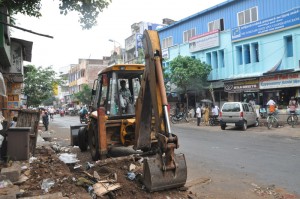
point(12, 173)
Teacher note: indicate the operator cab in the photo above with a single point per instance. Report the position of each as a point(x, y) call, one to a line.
point(116, 89)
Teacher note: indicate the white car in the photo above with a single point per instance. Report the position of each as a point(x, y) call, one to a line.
point(239, 114)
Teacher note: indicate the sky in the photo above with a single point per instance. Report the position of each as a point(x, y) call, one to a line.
point(71, 42)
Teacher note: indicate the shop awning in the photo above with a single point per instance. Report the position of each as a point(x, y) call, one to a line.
point(2, 86)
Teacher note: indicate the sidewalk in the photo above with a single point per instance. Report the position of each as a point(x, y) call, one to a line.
point(283, 129)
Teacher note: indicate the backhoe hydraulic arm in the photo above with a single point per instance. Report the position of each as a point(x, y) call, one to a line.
point(167, 169)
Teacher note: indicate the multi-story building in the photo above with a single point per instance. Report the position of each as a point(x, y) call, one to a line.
point(133, 43)
point(253, 49)
point(13, 52)
point(85, 72)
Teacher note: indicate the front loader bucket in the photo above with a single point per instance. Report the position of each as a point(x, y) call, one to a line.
point(155, 179)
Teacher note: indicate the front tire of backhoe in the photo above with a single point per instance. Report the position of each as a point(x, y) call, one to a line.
point(93, 140)
point(82, 139)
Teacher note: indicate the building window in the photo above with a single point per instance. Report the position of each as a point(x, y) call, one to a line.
point(289, 46)
point(247, 54)
point(188, 34)
point(208, 58)
point(221, 58)
point(239, 55)
point(167, 42)
point(255, 52)
point(247, 16)
point(216, 25)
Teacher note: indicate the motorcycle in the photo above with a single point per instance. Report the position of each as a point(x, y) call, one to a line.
point(62, 113)
point(178, 117)
point(213, 120)
point(84, 118)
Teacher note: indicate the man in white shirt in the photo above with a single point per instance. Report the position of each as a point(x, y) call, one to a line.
point(198, 112)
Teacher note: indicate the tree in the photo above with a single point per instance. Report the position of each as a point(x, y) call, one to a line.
point(88, 9)
point(188, 73)
point(84, 96)
point(38, 84)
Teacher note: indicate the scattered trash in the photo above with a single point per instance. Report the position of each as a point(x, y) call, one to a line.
point(68, 158)
point(91, 192)
point(96, 175)
point(102, 188)
point(89, 165)
point(47, 184)
point(5, 183)
point(77, 166)
point(32, 159)
point(132, 167)
point(83, 182)
point(24, 167)
point(130, 175)
point(141, 160)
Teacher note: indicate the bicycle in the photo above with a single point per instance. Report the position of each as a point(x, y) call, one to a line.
point(292, 119)
point(272, 120)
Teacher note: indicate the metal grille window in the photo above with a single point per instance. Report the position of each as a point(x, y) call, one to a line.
point(188, 34)
point(216, 25)
point(167, 42)
point(247, 16)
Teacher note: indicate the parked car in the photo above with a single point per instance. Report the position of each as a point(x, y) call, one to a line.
point(239, 114)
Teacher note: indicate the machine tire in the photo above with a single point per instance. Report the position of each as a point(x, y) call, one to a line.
point(223, 127)
point(256, 123)
point(93, 140)
point(244, 127)
point(82, 139)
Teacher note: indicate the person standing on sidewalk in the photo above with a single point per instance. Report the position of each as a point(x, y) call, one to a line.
point(292, 105)
point(198, 112)
point(45, 118)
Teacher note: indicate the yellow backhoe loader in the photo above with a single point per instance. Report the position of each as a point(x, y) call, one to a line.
point(129, 107)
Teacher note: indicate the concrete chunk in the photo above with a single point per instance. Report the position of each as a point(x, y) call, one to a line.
point(12, 173)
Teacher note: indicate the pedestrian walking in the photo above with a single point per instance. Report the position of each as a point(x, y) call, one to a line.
point(198, 112)
point(45, 118)
point(206, 115)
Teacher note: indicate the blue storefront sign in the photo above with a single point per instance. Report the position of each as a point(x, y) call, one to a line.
point(266, 26)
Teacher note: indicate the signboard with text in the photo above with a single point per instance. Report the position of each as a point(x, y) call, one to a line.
point(267, 26)
point(280, 81)
point(239, 86)
point(204, 41)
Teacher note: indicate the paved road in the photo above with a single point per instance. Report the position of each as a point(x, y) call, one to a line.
point(232, 157)
point(268, 156)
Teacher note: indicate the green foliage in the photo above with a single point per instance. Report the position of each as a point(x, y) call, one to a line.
point(38, 84)
point(84, 96)
point(49, 101)
point(88, 9)
point(188, 73)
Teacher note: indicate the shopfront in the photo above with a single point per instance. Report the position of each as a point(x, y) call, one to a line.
point(281, 87)
point(243, 90)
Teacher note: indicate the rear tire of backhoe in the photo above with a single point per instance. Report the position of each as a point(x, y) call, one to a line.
point(82, 139)
point(93, 140)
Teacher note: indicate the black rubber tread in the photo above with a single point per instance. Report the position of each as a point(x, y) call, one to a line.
point(82, 138)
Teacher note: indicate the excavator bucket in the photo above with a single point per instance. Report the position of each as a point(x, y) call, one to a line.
point(155, 179)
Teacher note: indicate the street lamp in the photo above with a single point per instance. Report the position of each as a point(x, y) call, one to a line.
point(112, 40)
